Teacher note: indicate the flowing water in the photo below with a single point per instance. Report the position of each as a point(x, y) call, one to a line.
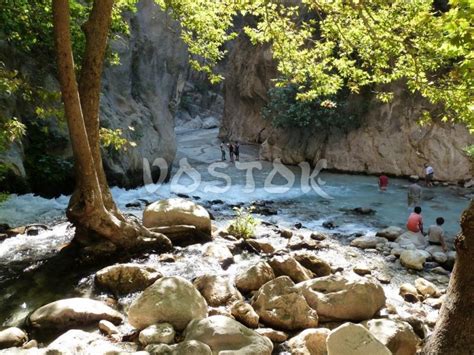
point(30, 275)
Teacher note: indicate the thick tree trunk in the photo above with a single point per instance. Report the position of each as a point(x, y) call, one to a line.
point(91, 208)
point(454, 331)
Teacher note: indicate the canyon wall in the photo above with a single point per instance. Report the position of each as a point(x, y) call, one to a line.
point(388, 140)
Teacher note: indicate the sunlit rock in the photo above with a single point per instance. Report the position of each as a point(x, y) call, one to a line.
point(12, 337)
point(245, 314)
point(390, 233)
point(316, 265)
point(396, 335)
point(72, 312)
point(156, 334)
point(126, 278)
point(413, 259)
point(108, 328)
point(179, 212)
point(220, 253)
point(79, 342)
point(354, 339)
point(426, 288)
point(367, 242)
point(409, 293)
point(225, 334)
point(217, 290)
point(338, 297)
point(254, 277)
point(287, 265)
point(309, 342)
point(276, 336)
point(408, 238)
point(281, 305)
point(171, 300)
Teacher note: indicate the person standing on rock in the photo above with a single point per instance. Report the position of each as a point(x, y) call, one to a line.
point(383, 182)
point(237, 151)
point(414, 194)
point(415, 221)
point(223, 151)
point(429, 173)
point(436, 234)
point(231, 151)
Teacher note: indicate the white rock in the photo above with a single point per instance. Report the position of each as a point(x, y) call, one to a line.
point(171, 300)
point(354, 339)
point(107, 327)
point(177, 211)
point(281, 305)
point(72, 312)
point(126, 278)
point(156, 334)
point(413, 259)
point(12, 337)
point(350, 297)
point(390, 233)
point(255, 277)
point(408, 237)
point(367, 241)
point(426, 288)
point(79, 342)
point(217, 290)
point(440, 257)
point(224, 335)
point(396, 335)
point(309, 342)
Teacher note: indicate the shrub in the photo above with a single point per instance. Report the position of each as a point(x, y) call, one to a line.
point(285, 110)
point(244, 223)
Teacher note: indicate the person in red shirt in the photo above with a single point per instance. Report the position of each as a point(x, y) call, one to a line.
point(415, 221)
point(383, 182)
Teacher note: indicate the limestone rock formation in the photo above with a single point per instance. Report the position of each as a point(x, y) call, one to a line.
point(172, 300)
point(389, 140)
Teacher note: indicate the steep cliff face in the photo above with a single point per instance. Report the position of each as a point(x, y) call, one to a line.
point(140, 94)
point(389, 139)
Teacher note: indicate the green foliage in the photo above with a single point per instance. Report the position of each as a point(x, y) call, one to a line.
point(470, 151)
point(114, 139)
point(4, 196)
point(285, 110)
point(336, 44)
point(244, 223)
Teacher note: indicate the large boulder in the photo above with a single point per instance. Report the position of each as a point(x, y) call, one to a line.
point(254, 277)
point(413, 259)
point(175, 212)
point(317, 266)
point(281, 305)
point(245, 314)
point(367, 242)
point(72, 312)
point(390, 233)
point(309, 342)
point(171, 300)
point(157, 334)
point(286, 265)
point(224, 334)
point(126, 278)
point(338, 297)
point(410, 238)
point(354, 339)
point(79, 342)
point(427, 288)
point(12, 337)
point(396, 335)
point(217, 290)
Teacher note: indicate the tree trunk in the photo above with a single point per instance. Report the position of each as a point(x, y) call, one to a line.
point(454, 331)
point(91, 208)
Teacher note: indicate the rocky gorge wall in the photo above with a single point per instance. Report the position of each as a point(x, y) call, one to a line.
point(141, 95)
point(389, 139)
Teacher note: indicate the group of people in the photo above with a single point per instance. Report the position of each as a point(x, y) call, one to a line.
point(435, 233)
point(234, 151)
